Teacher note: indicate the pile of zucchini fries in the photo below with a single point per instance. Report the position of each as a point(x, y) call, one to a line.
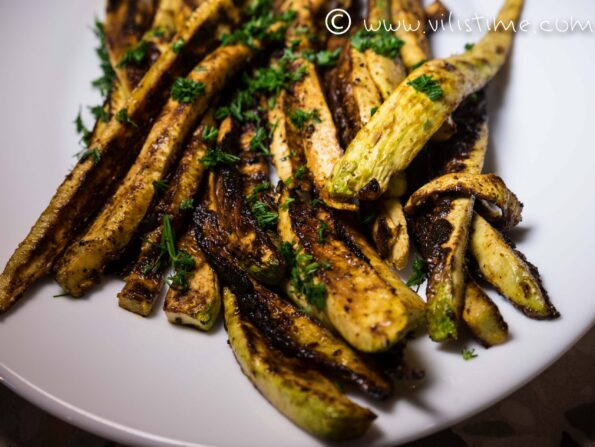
point(376, 145)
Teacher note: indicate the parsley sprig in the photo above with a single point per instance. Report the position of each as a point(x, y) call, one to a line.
point(299, 118)
point(427, 85)
point(418, 275)
point(217, 157)
point(302, 275)
point(186, 90)
point(381, 42)
point(135, 55)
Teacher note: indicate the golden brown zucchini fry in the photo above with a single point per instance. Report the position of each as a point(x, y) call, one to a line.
point(145, 281)
point(389, 232)
point(415, 111)
point(280, 152)
point(410, 17)
point(85, 189)
point(509, 272)
point(302, 394)
point(482, 317)
point(285, 326)
point(113, 229)
point(362, 307)
point(488, 187)
point(200, 303)
point(387, 73)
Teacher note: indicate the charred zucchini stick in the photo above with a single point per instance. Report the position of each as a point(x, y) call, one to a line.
point(488, 187)
point(113, 229)
point(389, 232)
point(410, 15)
point(363, 308)
point(302, 394)
point(85, 189)
point(509, 272)
point(416, 110)
point(283, 324)
point(145, 281)
point(200, 303)
point(482, 317)
point(442, 229)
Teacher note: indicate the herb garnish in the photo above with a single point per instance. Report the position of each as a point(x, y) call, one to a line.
point(322, 227)
point(373, 110)
point(300, 171)
point(300, 117)
point(469, 46)
point(288, 201)
point(418, 275)
point(217, 157)
point(186, 90)
point(302, 270)
point(105, 82)
point(181, 260)
point(265, 218)
point(427, 85)
point(93, 154)
point(419, 64)
point(178, 45)
point(82, 130)
point(209, 134)
point(122, 117)
point(381, 42)
point(187, 204)
point(468, 354)
point(323, 58)
point(258, 143)
point(160, 186)
point(135, 55)
point(99, 113)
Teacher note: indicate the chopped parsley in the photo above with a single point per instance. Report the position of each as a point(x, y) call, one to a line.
point(287, 202)
point(300, 172)
point(108, 75)
point(258, 143)
point(419, 64)
point(299, 118)
point(418, 275)
point(160, 186)
point(265, 218)
point(93, 154)
point(209, 134)
point(181, 260)
point(82, 130)
point(217, 157)
point(135, 55)
point(99, 113)
point(178, 45)
point(469, 46)
point(468, 354)
point(427, 85)
point(373, 110)
point(316, 202)
point(322, 227)
point(323, 58)
point(186, 90)
point(200, 69)
point(302, 269)
point(380, 42)
point(187, 204)
point(122, 117)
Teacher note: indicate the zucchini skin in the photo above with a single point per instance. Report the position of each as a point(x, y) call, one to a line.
point(112, 230)
point(302, 394)
point(284, 325)
point(509, 272)
point(408, 119)
point(85, 189)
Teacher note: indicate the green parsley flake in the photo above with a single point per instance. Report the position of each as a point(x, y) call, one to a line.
point(300, 117)
point(381, 42)
point(178, 45)
point(217, 157)
point(122, 117)
point(186, 90)
point(135, 55)
point(427, 85)
point(209, 134)
point(418, 275)
point(468, 354)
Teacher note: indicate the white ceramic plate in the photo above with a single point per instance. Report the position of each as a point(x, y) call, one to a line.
point(144, 381)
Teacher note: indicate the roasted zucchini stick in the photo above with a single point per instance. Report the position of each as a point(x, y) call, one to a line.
point(387, 73)
point(509, 272)
point(482, 317)
point(283, 324)
point(113, 229)
point(302, 394)
point(85, 189)
point(362, 307)
point(389, 232)
point(200, 303)
point(415, 111)
point(145, 281)
point(410, 15)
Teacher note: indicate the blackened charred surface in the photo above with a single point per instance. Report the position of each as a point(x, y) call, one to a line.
point(450, 156)
point(394, 365)
point(383, 237)
point(431, 230)
point(283, 325)
point(371, 191)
